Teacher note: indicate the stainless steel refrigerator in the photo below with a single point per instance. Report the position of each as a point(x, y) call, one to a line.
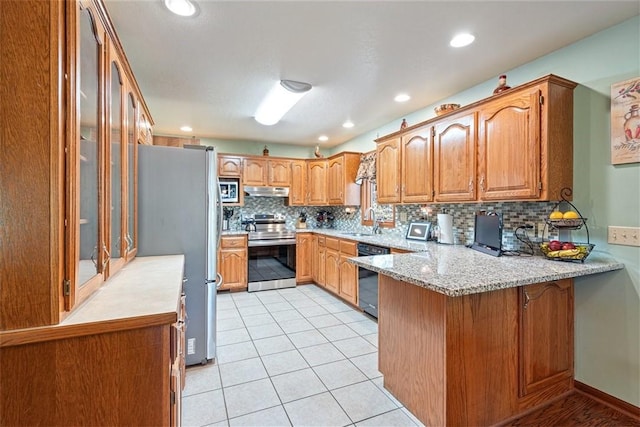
point(179, 212)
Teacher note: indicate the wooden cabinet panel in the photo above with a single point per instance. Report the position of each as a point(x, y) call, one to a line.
point(417, 166)
point(546, 334)
point(232, 262)
point(332, 270)
point(455, 158)
point(388, 170)
point(173, 141)
point(279, 173)
point(509, 147)
point(229, 166)
point(342, 188)
point(254, 172)
point(317, 182)
point(348, 280)
point(322, 266)
point(304, 265)
point(298, 188)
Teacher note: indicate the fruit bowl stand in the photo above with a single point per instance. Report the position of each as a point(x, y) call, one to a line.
point(580, 251)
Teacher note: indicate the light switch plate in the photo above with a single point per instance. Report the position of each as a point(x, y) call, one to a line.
point(403, 216)
point(191, 346)
point(629, 236)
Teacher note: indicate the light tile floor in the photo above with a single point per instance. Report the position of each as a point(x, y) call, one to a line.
point(291, 357)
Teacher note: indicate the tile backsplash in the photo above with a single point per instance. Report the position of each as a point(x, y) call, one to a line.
point(515, 214)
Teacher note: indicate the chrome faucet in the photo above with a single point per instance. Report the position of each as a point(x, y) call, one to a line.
point(375, 229)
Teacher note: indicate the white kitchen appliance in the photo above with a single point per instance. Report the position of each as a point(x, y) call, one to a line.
point(445, 227)
point(179, 212)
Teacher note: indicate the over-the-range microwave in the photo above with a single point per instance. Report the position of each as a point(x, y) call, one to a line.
point(229, 190)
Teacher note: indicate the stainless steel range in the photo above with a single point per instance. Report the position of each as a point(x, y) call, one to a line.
point(272, 253)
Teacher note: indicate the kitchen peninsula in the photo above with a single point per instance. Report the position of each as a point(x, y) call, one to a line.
point(470, 339)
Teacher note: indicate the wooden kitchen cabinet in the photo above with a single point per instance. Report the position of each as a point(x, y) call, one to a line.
point(80, 176)
point(525, 142)
point(304, 254)
point(332, 264)
point(545, 335)
point(405, 167)
point(342, 188)
point(233, 257)
point(388, 170)
point(93, 368)
point(261, 172)
point(348, 272)
point(174, 141)
point(454, 152)
point(319, 266)
point(298, 188)
point(229, 166)
point(317, 182)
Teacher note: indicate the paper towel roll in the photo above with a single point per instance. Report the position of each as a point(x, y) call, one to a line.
point(445, 223)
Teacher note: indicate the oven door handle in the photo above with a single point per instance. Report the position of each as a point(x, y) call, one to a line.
point(274, 242)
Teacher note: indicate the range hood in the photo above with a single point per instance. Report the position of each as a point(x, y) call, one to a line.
point(267, 191)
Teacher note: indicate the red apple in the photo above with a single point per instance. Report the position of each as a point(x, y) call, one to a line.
point(555, 245)
point(568, 245)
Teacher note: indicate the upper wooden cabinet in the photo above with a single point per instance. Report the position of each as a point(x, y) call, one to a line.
point(388, 170)
point(405, 168)
point(454, 152)
point(317, 182)
point(174, 141)
point(229, 166)
point(261, 172)
point(81, 115)
point(517, 145)
point(525, 142)
point(298, 188)
point(342, 188)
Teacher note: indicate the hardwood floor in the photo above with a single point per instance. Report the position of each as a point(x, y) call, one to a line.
point(575, 410)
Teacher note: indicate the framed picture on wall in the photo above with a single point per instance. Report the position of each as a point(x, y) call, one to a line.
point(418, 231)
point(625, 121)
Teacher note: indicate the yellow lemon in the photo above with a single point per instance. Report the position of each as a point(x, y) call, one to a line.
point(570, 215)
point(556, 215)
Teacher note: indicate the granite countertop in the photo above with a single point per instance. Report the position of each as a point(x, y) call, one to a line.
point(234, 232)
point(457, 270)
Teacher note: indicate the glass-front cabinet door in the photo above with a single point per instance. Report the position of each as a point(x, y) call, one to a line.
point(132, 187)
point(85, 233)
point(115, 155)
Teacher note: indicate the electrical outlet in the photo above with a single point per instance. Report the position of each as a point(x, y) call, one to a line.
point(403, 216)
point(629, 236)
point(191, 346)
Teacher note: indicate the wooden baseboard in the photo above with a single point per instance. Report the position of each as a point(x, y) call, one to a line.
point(606, 399)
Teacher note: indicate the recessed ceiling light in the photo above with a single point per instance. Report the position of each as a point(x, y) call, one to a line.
point(348, 124)
point(403, 97)
point(462, 39)
point(186, 129)
point(181, 7)
point(323, 138)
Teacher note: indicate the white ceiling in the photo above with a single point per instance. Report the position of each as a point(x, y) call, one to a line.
point(211, 71)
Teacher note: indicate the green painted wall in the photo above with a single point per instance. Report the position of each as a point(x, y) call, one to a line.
point(607, 327)
point(255, 149)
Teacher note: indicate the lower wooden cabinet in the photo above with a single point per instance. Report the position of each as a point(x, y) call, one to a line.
point(233, 257)
point(545, 335)
point(115, 361)
point(304, 248)
point(339, 276)
point(319, 266)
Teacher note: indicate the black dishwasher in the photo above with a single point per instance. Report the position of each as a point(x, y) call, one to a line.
point(368, 280)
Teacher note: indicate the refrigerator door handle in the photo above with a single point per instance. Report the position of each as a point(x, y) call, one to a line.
point(220, 210)
point(211, 320)
point(220, 280)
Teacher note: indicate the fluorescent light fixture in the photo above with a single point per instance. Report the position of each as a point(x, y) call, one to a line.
point(348, 124)
point(282, 96)
point(186, 128)
point(181, 7)
point(323, 138)
point(461, 40)
point(402, 97)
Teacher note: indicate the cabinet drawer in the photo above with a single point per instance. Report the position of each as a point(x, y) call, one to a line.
point(332, 243)
point(233, 242)
point(348, 248)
